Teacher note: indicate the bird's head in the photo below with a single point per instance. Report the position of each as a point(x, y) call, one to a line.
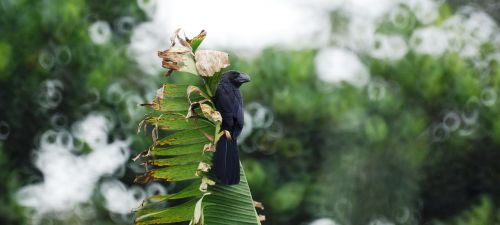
point(236, 78)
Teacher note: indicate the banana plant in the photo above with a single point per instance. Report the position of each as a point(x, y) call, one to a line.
point(186, 118)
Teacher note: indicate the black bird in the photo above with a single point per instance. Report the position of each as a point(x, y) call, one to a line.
point(229, 103)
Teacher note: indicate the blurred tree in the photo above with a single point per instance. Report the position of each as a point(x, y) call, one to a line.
point(489, 6)
point(416, 144)
point(10, 213)
point(57, 60)
point(482, 212)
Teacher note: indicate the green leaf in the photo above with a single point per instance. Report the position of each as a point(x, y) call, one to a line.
point(173, 98)
point(230, 204)
point(178, 58)
point(196, 41)
point(198, 217)
point(174, 90)
point(212, 82)
point(180, 153)
point(171, 104)
point(192, 190)
point(177, 121)
point(178, 160)
point(188, 136)
point(175, 173)
point(179, 213)
point(179, 149)
point(170, 98)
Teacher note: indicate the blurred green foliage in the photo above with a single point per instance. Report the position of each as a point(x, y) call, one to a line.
point(9, 211)
point(483, 212)
point(50, 66)
point(381, 152)
point(415, 145)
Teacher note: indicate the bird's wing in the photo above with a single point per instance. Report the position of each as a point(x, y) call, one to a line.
point(225, 104)
point(239, 118)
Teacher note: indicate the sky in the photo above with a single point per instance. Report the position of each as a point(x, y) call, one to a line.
point(245, 28)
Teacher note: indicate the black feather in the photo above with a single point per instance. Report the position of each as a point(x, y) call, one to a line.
point(229, 103)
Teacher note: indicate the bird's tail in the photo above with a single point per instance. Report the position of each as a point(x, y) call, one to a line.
point(226, 161)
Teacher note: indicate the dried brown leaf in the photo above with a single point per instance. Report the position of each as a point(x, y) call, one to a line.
point(147, 177)
point(193, 106)
point(202, 167)
point(258, 205)
point(190, 89)
point(209, 147)
point(227, 134)
point(209, 62)
point(179, 57)
point(210, 113)
point(159, 93)
point(205, 181)
point(142, 123)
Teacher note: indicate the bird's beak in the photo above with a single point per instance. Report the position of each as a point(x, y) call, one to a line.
point(243, 78)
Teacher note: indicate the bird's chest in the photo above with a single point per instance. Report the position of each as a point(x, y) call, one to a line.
point(234, 98)
point(237, 97)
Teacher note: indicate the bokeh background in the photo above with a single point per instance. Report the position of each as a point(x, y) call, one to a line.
point(377, 112)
